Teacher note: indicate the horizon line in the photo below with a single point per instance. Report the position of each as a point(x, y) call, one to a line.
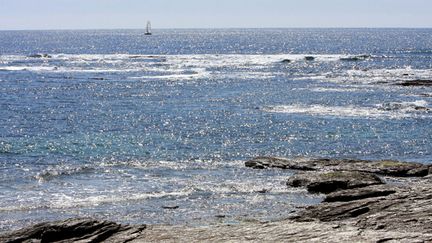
point(208, 28)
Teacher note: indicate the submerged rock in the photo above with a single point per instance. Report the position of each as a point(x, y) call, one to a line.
point(170, 207)
point(97, 78)
point(286, 61)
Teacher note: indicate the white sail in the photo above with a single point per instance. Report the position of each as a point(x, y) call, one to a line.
point(148, 28)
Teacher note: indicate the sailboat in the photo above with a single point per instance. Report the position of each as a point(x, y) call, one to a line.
point(148, 29)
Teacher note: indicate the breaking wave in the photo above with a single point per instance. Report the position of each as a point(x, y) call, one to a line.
point(392, 110)
point(61, 171)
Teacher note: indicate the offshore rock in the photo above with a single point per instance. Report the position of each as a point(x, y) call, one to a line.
point(327, 182)
point(418, 82)
point(382, 167)
point(40, 56)
point(355, 58)
point(282, 163)
point(75, 230)
point(309, 58)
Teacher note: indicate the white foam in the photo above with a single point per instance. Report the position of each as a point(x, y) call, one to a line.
point(350, 111)
point(65, 201)
point(339, 89)
point(407, 106)
point(384, 75)
point(61, 170)
point(193, 67)
point(28, 68)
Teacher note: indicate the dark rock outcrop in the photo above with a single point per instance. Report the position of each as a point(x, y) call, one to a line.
point(74, 230)
point(327, 182)
point(382, 167)
point(417, 82)
point(359, 193)
point(309, 58)
point(355, 58)
point(282, 163)
point(286, 61)
point(390, 208)
point(358, 198)
point(40, 56)
point(358, 207)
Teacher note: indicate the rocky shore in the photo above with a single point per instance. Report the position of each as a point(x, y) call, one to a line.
point(365, 201)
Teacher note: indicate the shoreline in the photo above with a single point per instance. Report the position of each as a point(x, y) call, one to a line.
point(368, 201)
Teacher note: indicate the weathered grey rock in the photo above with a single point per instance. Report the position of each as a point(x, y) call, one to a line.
point(404, 209)
point(382, 167)
point(75, 230)
point(361, 211)
point(282, 163)
point(362, 202)
point(326, 182)
point(359, 193)
point(281, 231)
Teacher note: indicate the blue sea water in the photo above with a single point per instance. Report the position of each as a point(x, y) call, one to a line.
point(118, 125)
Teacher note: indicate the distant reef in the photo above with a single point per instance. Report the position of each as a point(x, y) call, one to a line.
point(418, 82)
point(365, 201)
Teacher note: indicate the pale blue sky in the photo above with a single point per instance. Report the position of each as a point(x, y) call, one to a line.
point(96, 14)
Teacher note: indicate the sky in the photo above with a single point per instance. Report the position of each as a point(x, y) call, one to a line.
point(133, 14)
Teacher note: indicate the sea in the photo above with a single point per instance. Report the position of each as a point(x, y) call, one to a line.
point(137, 129)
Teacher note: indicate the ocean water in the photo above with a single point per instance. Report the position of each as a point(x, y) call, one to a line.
point(155, 129)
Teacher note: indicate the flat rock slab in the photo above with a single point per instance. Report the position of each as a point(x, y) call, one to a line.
point(75, 230)
point(356, 196)
point(402, 209)
point(281, 231)
point(327, 182)
point(360, 193)
point(382, 167)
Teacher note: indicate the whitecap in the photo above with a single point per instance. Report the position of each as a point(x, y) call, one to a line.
point(29, 68)
point(377, 76)
point(348, 111)
point(65, 201)
point(407, 106)
point(61, 170)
